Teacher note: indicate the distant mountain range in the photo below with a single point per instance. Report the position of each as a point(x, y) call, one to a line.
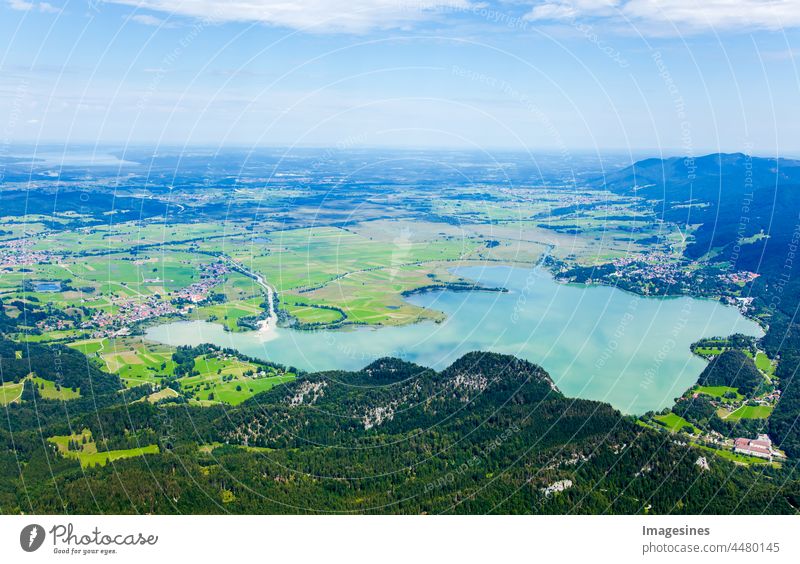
point(733, 200)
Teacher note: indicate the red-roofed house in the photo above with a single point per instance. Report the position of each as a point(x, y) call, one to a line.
point(760, 447)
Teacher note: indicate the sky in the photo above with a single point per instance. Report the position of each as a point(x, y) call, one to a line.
point(663, 76)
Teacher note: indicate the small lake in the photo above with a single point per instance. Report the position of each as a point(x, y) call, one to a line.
point(597, 342)
point(47, 286)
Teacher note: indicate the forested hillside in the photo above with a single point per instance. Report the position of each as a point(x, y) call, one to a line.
point(490, 434)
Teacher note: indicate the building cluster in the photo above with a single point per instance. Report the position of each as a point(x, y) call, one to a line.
point(744, 304)
point(769, 399)
point(653, 266)
point(55, 324)
point(211, 275)
point(130, 312)
point(741, 277)
point(760, 447)
point(18, 252)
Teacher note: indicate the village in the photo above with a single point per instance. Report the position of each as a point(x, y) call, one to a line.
point(18, 252)
point(133, 310)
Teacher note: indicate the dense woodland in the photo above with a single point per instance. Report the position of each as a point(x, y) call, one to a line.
point(490, 434)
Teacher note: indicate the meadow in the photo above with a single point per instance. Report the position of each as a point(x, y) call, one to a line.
point(226, 379)
point(750, 412)
point(87, 453)
point(675, 423)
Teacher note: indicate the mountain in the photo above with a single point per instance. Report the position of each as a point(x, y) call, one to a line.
point(744, 208)
point(490, 434)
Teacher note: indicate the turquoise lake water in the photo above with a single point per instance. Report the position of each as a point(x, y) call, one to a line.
point(596, 342)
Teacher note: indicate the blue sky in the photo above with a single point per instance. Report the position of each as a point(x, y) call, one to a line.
point(675, 76)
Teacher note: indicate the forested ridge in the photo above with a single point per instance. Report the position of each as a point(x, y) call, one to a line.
point(490, 434)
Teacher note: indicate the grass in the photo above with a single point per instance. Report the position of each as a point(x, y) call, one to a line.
point(750, 412)
point(161, 394)
point(136, 362)
point(764, 364)
point(228, 313)
point(717, 391)
point(226, 392)
point(89, 347)
point(49, 390)
point(732, 456)
point(88, 456)
point(362, 271)
point(103, 458)
point(306, 313)
point(10, 392)
point(708, 351)
point(220, 376)
point(674, 423)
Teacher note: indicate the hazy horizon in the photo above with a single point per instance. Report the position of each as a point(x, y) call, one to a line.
point(535, 75)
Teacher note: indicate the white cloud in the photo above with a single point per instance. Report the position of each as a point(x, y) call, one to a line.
point(19, 5)
point(351, 16)
point(147, 19)
point(686, 16)
point(24, 6)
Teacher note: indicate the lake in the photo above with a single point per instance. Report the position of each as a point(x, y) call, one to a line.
point(597, 342)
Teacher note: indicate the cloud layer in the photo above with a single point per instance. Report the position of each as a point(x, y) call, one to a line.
point(666, 17)
point(25, 6)
point(685, 15)
point(314, 15)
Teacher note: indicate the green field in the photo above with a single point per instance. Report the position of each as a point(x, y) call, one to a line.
point(89, 456)
point(10, 392)
point(228, 313)
point(363, 269)
point(750, 412)
point(306, 313)
point(717, 391)
point(708, 351)
point(764, 364)
point(732, 456)
point(49, 390)
point(674, 423)
point(227, 392)
point(89, 347)
point(229, 380)
point(135, 361)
